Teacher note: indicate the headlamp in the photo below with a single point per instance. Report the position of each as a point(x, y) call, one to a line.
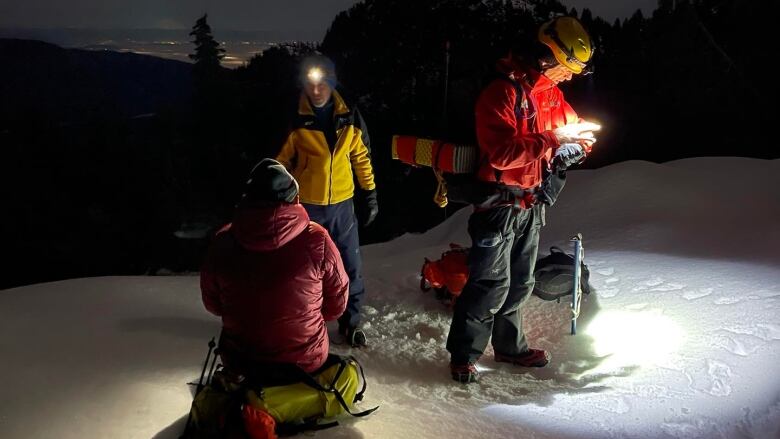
point(315, 75)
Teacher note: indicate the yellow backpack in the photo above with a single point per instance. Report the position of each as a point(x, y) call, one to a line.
point(329, 393)
point(296, 405)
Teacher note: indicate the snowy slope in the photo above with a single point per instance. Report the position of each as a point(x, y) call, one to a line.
point(680, 340)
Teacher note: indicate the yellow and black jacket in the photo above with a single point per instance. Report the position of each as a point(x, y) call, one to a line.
point(325, 174)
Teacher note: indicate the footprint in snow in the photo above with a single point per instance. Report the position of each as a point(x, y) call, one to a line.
point(768, 331)
point(739, 344)
point(654, 282)
point(728, 300)
point(698, 294)
point(682, 428)
point(617, 406)
point(668, 287)
point(763, 331)
point(606, 293)
point(609, 271)
point(717, 381)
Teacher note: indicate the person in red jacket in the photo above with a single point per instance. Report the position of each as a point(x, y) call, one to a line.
point(525, 129)
point(275, 278)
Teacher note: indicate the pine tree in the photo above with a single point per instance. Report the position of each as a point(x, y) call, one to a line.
point(211, 156)
point(207, 54)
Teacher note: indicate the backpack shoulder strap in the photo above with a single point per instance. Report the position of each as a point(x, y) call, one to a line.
point(556, 249)
point(312, 382)
point(523, 109)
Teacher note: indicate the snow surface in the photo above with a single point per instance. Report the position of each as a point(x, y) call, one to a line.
point(681, 338)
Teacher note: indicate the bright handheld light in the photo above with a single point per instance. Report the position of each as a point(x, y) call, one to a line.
point(580, 127)
point(577, 132)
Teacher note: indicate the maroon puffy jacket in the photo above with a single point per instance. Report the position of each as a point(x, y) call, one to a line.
point(275, 278)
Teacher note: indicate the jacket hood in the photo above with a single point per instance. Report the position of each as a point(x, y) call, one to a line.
point(269, 227)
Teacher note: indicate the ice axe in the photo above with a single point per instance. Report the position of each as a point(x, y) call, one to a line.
point(576, 294)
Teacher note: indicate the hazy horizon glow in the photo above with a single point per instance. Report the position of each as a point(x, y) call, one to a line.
point(249, 15)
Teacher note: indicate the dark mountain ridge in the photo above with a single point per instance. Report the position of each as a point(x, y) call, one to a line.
point(72, 85)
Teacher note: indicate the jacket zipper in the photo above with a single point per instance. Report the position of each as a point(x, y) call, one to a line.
point(330, 187)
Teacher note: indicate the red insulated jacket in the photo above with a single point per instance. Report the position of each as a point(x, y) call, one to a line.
point(516, 137)
point(275, 278)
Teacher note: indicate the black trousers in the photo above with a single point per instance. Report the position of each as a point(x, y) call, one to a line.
point(505, 243)
point(340, 221)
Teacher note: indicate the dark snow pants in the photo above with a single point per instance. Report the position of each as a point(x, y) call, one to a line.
point(505, 242)
point(340, 221)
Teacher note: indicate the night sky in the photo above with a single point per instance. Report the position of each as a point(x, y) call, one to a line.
point(274, 15)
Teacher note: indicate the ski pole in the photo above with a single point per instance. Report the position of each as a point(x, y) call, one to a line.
point(211, 369)
point(575, 294)
point(198, 388)
point(205, 364)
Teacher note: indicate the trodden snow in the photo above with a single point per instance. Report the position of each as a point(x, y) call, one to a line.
point(681, 338)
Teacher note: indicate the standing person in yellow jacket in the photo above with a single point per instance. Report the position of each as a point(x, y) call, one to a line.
point(327, 151)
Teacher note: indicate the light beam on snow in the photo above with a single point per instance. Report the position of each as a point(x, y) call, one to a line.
point(638, 338)
point(481, 368)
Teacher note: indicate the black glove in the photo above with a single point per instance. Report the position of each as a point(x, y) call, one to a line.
point(368, 209)
point(567, 155)
point(551, 187)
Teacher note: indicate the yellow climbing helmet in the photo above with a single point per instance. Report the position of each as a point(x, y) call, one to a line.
point(569, 42)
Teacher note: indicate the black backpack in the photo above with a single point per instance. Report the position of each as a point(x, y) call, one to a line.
point(554, 275)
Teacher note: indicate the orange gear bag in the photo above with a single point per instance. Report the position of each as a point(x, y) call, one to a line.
point(450, 272)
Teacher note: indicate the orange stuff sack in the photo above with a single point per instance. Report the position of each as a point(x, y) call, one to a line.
point(449, 273)
point(258, 423)
point(436, 154)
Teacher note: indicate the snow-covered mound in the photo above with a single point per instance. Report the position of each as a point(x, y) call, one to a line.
point(680, 339)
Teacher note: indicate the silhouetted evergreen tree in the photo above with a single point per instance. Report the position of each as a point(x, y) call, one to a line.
point(215, 159)
point(208, 53)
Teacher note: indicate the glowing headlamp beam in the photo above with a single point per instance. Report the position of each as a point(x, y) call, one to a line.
point(315, 75)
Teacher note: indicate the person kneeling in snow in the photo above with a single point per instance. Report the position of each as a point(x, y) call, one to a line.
point(275, 278)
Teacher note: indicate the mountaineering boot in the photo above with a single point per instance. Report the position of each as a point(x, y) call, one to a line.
point(530, 358)
point(464, 373)
point(354, 335)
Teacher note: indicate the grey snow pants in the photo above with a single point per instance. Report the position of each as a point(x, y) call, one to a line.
point(505, 243)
